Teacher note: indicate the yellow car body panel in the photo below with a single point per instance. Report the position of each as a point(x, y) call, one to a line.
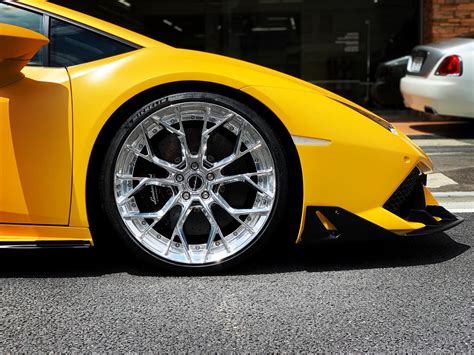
point(36, 154)
point(343, 154)
point(175, 66)
point(33, 234)
point(14, 56)
point(326, 120)
point(327, 177)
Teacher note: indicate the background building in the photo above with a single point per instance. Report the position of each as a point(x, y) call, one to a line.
point(337, 44)
point(447, 18)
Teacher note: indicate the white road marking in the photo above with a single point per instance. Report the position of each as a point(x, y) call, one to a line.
point(440, 143)
point(456, 201)
point(454, 194)
point(437, 180)
point(447, 153)
point(458, 207)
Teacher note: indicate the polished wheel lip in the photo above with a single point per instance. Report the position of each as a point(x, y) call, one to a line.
point(195, 183)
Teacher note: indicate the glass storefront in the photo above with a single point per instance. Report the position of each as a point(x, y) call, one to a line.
point(336, 44)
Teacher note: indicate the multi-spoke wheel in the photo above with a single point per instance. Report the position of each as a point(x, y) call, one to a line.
point(195, 180)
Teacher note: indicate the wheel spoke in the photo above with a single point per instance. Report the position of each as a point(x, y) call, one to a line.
point(226, 119)
point(153, 215)
point(246, 178)
point(180, 133)
point(231, 212)
point(178, 231)
point(204, 137)
point(239, 211)
point(147, 141)
point(206, 132)
point(165, 165)
point(168, 127)
point(150, 156)
point(142, 183)
point(210, 241)
point(182, 137)
point(148, 229)
point(215, 230)
point(168, 246)
point(138, 153)
point(124, 198)
point(233, 157)
point(238, 143)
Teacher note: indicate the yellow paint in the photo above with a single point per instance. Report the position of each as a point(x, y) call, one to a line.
point(17, 46)
point(358, 171)
point(389, 221)
point(36, 153)
point(13, 203)
point(326, 222)
point(31, 234)
point(429, 198)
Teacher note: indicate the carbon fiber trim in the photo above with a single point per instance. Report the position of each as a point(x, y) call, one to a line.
point(353, 227)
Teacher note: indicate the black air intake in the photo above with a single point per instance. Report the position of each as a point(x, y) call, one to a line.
point(409, 195)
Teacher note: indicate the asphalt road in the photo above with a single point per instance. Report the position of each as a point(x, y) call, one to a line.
point(402, 295)
point(395, 295)
point(448, 141)
point(456, 163)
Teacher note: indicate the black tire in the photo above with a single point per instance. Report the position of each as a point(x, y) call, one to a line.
point(270, 231)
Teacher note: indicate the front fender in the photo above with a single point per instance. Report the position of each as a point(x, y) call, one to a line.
point(360, 165)
point(344, 172)
point(100, 88)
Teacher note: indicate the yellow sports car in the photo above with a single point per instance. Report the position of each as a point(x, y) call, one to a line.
point(195, 161)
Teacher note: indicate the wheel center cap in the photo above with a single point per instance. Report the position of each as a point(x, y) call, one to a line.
point(195, 182)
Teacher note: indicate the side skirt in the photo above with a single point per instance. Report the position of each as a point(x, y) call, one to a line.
point(18, 236)
point(46, 245)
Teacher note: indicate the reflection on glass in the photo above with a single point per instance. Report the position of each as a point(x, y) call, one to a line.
point(72, 45)
point(22, 18)
point(337, 44)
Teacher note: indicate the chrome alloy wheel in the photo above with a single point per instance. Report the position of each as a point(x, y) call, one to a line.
point(194, 183)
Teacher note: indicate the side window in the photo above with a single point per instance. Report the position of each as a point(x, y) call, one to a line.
point(22, 18)
point(72, 45)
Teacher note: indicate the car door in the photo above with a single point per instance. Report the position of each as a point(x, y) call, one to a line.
point(36, 137)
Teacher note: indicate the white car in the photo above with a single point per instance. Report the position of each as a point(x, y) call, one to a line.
point(440, 78)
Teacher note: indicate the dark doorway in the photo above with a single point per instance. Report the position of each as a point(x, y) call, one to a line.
point(336, 44)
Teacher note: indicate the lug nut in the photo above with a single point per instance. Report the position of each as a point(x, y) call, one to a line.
point(186, 195)
point(205, 194)
point(194, 166)
point(210, 176)
point(179, 178)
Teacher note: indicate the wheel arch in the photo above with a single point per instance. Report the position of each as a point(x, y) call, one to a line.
point(93, 207)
